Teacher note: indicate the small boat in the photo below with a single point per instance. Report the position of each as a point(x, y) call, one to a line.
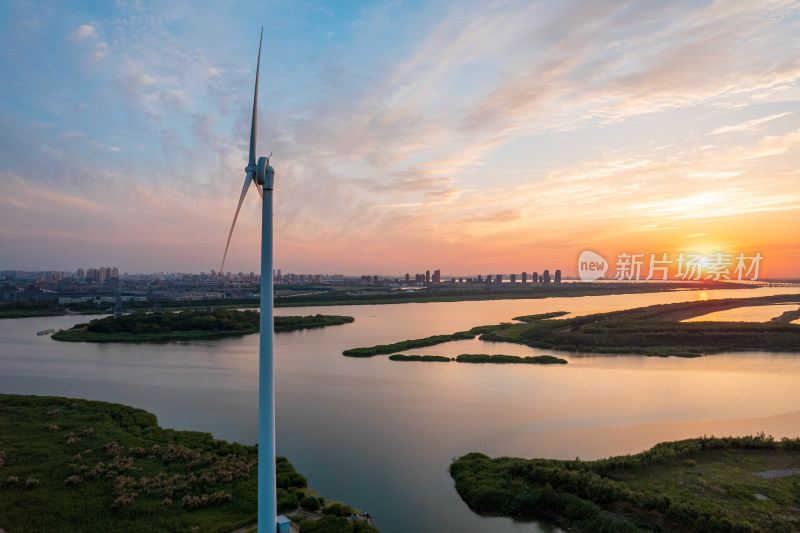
point(46, 332)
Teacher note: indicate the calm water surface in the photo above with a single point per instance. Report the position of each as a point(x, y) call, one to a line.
point(380, 435)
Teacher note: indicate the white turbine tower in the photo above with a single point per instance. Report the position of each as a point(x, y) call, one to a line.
point(262, 175)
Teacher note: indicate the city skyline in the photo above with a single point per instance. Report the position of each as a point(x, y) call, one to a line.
point(488, 138)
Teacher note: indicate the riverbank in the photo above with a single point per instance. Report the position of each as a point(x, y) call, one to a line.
point(361, 295)
point(696, 485)
point(75, 465)
point(508, 291)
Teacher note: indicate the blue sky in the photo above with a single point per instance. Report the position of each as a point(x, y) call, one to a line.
point(466, 136)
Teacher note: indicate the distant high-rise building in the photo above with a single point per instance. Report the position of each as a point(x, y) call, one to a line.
point(513, 278)
point(427, 276)
point(498, 279)
point(80, 274)
point(546, 277)
point(535, 277)
point(480, 278)
point(437, 276)
point(557, 278)
point(489, 278)
point(524, 277)
point(408, 277)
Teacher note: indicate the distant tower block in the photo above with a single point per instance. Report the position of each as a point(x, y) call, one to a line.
point(480, 278)
point(535, 278)
point(546, 277)
point(427, 276)
point(513, 278)
point(488, 278)
point(498, 279)
point(524, 277)
point(557, 277)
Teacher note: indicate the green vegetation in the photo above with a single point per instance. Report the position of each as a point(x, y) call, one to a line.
point(655, 330)
point(382, 349)
point(697, 485)
point(482, 358)
point(30, 309)
point(504, 359)
point(292, 323)
point(541, 316)
point(69, 465)
point(475, 292)
point(187, 325)
point(425, 358)
point(787, 317)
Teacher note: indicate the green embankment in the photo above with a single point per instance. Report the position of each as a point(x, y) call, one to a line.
point(70, 465)
point(187, 325)
point(29, 309)
point(382, 349)
point(707, 485)
point(787, 317)
point(423, 358)
point(510, 359)
point(541, 316)
point(482, 358)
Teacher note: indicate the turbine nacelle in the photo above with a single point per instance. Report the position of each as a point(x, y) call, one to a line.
point(265, 174)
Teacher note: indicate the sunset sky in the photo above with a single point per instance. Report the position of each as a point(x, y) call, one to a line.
point(473, 137)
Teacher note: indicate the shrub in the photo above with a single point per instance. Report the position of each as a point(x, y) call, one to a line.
point(334, 509)
point(309, 503)
point(286, 500)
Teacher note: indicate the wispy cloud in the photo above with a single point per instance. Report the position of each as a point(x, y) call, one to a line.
point(403, 133)
point(83, 31)
point(750, 124)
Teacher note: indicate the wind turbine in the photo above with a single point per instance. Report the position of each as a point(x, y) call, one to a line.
point(262, 175)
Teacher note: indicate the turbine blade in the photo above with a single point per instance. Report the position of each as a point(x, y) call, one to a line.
point(254, 125)
point(259, 188)
point(247, 181)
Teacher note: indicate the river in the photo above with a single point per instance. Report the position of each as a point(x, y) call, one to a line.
point(379, 435)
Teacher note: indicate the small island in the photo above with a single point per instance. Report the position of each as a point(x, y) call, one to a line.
point(482, 358)
point(510, 359)
point(85, 466)
point(737, 484)
point(423, 358)
point(187, 325)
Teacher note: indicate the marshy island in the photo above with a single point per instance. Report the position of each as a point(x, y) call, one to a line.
point(187, 325)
